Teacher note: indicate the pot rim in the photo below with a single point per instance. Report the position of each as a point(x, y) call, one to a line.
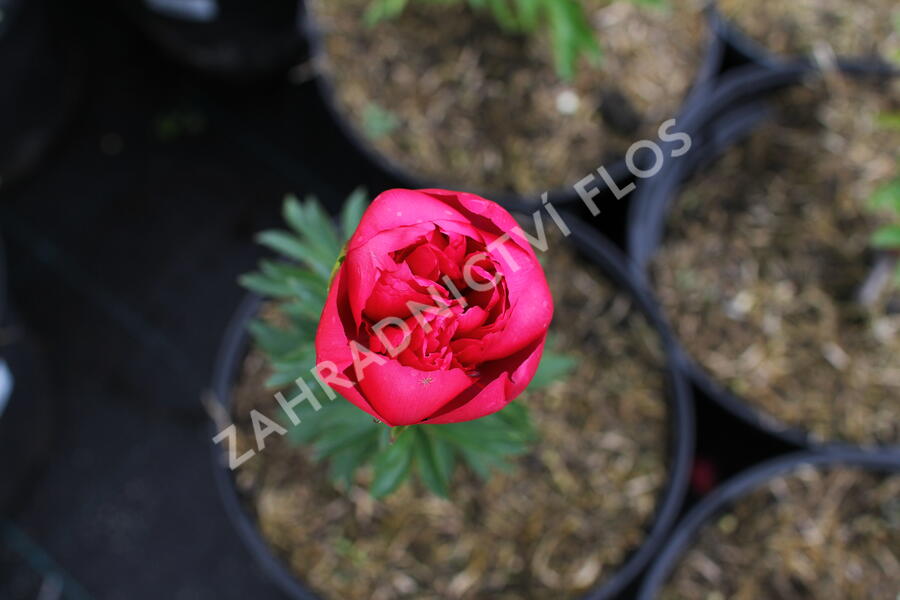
point(740, 485)
point(733, 35)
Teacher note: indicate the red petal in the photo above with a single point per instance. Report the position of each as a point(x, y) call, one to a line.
point(405, 395)
point(499, 384)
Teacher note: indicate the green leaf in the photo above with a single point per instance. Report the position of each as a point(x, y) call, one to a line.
point(889, 120)
point(344, 436)
point(434, 461)
point(488, 442)
point(887, 237)
point(342, 412)
point(570, 29)
point(302, 356)
point(272, 340)
point(304, 313)
point(529, 12)
point(336, 425)
point(315, 227)
point(572, 36)
point(293, 212)
point(291, 246)
point(264, 285)
point(553, 367)
point(887, 197)
point(343, 464)
point(392, 466)
point(299, 283)
point(285, 244)
point(480, 464)
point(378, 122)
point(352, 212)
point(380, 10)
point(516, 416)
point(504, 15)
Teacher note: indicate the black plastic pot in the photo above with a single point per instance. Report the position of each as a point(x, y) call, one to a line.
point(730, 112)
point(738, 104)
point(740, 485)
point(719, 56)
point(41, 81)
point(608, 260)
point(231, 39)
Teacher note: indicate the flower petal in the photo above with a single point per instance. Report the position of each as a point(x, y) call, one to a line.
point(503, 382)
point(333, 345)
point(406, 395)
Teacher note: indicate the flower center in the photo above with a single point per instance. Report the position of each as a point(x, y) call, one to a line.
point(437, 297)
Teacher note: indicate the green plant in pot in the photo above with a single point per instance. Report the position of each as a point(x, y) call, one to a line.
point(382, 434)
point(516, 96)
point(380, 468)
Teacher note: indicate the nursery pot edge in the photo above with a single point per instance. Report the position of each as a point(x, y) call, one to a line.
point(741, 484)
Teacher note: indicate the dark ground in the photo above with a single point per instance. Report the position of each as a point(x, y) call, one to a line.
point(123, 251)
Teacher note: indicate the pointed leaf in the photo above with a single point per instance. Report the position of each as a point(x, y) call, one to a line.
point(352, 212)
point(553, 367)
point(265, 286)
point(392, 466)
point(343, 437)
point(434, 461)
point(319, 230)
point(890, 120)
point(272, 339)
point(343, 464)
point(887, 237)
point(887, 197)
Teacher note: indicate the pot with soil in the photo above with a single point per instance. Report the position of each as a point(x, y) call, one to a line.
point(861, 34)
point(44, 78)
point(233, 39)
point(577, 515)
point(801, 526)
point(443, 93)
point(773, 275)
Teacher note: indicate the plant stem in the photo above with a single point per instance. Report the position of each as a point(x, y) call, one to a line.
point(397, 431)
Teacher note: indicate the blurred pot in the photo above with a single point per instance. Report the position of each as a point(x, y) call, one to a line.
point(232, 39)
